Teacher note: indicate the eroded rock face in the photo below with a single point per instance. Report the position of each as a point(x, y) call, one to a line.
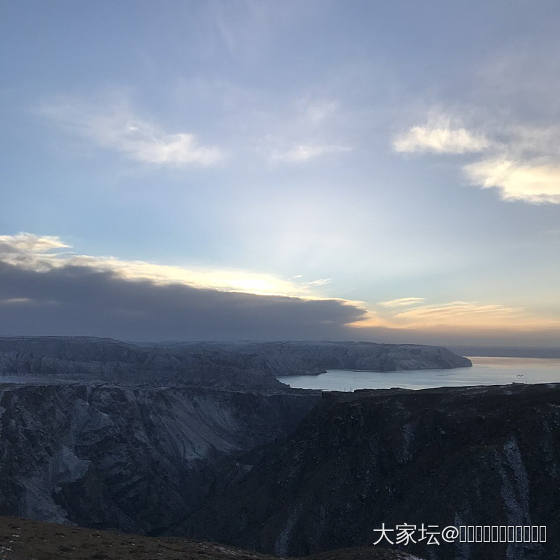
point(301, 358)
point(224, 365)
point(133, 458)
point(89, 358)
point(454, 456)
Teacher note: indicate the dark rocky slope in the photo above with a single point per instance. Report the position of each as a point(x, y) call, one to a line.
point(134, 458)
point(30, 540)
point(454, 456)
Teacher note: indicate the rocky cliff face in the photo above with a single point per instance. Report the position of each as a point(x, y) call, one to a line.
point(300, 358)
point(119, 362)
point(237, 366)
point(134, 458)
point(461, 456)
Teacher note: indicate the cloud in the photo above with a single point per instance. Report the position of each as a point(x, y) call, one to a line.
point(116, 127)
point(42, 253)
point(319, 282)
point(458, 313)
point(316, 111)
point(402, 302)
point(414, 314)
point(302, 153)
point(24, 248)
point(524, 165)
point(469, 315)
point(46, 292)
point(521, 162)
point(11, 301)
point(440, 138)
point(306, 129)
point(48, 289)
point(526, 181)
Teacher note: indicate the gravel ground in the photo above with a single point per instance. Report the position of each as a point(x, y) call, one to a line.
point(33, 540)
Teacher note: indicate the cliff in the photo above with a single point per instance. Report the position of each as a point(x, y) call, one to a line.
point(224, 365)
point(454, 456)
point(135, 458)
point(310, 358)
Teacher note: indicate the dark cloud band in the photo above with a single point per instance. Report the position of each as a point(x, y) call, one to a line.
point(81, 300)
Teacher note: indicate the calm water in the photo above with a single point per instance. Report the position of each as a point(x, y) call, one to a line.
point(485, 371)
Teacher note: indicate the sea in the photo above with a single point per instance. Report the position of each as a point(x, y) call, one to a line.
point(484, 371)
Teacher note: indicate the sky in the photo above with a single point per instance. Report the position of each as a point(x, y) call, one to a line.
point(281, 170)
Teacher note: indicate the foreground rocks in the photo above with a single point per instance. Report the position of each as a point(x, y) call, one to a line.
point(22, 539)
point(287, 474)
point(451, 456)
